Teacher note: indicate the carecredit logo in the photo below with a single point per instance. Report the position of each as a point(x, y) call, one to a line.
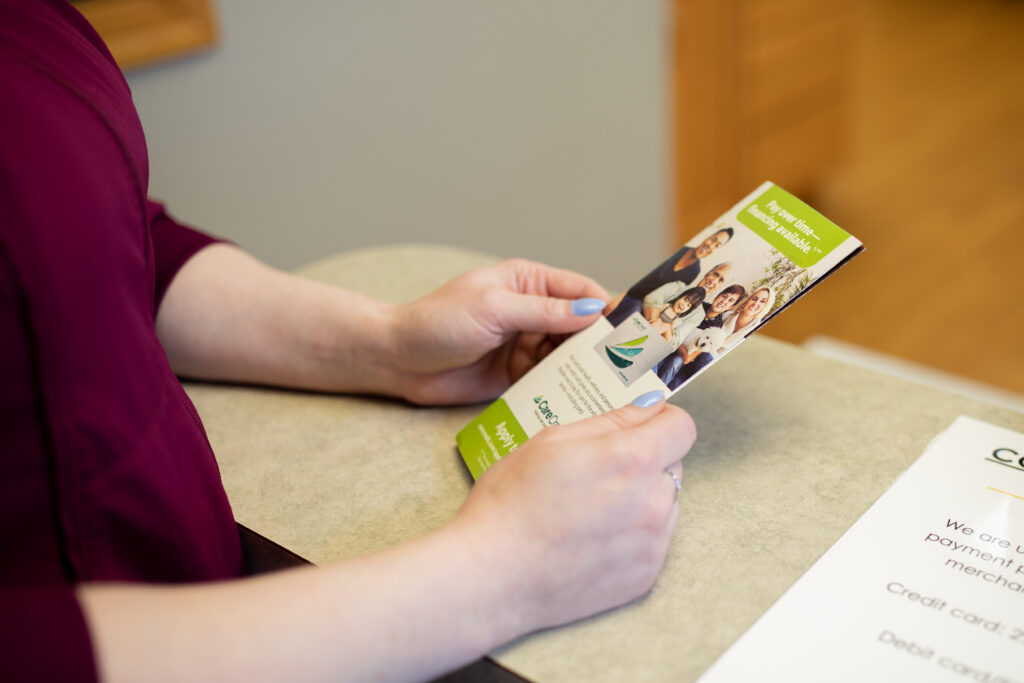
point(620, 354)
point(1007, 457)
point(542, 405)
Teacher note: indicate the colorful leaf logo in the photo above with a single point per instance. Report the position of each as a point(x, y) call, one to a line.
point(634, 342)
point(620, 353)
point(619, 361)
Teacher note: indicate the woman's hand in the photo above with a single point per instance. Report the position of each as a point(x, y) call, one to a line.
point(687, 355)
point(665, 328)
point(228, 317)
point(574, 522)
point(473, 337)
point(578, 519)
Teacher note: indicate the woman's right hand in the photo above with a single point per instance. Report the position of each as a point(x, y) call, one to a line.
point(574, 522)
point(578, 519)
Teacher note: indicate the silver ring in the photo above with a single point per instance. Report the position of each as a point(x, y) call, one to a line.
point(675, 480)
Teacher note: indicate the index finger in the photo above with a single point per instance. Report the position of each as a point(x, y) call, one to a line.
point(537, 278)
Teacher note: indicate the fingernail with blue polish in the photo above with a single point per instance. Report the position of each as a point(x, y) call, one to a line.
point(649, 399)
point(586, 306)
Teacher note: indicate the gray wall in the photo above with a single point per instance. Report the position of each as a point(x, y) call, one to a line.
point(527, 128)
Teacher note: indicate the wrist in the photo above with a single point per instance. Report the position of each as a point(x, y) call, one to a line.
point(356, 348)
point(504, 588)
point(416, 350)
point(382, 349)
point(398, 354)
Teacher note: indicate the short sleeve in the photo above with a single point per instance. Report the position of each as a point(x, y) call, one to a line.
point(44, 635)
point(173, 245)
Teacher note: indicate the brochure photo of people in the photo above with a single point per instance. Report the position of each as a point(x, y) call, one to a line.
point(709, 295)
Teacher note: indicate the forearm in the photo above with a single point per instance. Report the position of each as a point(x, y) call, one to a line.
point(575, 522)
point(226, 316)
point(659, 297)
point(407, 613)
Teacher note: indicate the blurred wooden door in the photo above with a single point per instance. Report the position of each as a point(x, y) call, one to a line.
point(914, 143)
point(760, 93)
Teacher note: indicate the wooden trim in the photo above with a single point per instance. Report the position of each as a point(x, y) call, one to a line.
point(145, 31)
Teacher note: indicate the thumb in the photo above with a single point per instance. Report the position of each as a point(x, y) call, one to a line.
point(616, 420)
point(545, 314)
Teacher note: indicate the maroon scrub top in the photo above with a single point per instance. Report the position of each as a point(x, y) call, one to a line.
point(105, 470)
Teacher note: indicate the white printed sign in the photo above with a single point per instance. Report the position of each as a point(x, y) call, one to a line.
point(927, 586)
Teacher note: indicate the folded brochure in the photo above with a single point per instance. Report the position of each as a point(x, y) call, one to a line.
point(672, 324)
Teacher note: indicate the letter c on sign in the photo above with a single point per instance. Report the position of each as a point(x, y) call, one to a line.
point(996, 452)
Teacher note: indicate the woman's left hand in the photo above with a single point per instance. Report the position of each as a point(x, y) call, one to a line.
point(473, 337)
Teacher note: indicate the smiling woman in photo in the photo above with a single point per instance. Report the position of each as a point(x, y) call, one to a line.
point(680, 316)
point(748, 315)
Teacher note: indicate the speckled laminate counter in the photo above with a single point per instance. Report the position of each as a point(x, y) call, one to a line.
point(792, 449)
